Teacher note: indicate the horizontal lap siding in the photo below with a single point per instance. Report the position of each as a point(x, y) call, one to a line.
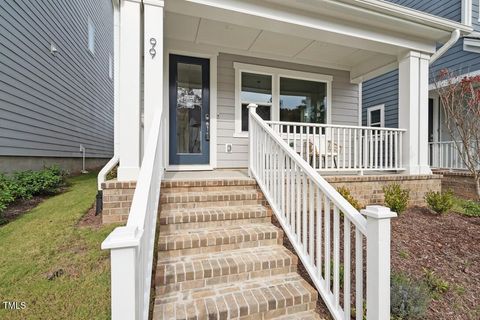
point(382, 90)
point(449, 9)
point(344, 100)
point(50, 104)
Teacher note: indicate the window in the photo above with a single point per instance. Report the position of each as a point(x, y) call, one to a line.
point(376, 116)
point(302, 100)
point(110, 66)
point(91, 36)
point(281, 95)
point(256, 88)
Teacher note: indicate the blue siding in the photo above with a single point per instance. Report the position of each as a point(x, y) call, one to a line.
point(475, 15)
point(382, 90)
point(456, 60)
point(449, 9)
point(52, 103)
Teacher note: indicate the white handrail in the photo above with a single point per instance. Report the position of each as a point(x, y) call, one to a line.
point(325, 125)
point(132, 246)
point(310, 212)
point(102, 175)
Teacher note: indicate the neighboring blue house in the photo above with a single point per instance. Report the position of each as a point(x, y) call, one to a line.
point(56, 83)
point(380, 95)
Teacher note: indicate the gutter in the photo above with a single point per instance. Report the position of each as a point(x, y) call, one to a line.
point(450, 43)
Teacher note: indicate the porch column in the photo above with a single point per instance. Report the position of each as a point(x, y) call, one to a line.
point(153, 62)
point(129, 89)
point(413, 111)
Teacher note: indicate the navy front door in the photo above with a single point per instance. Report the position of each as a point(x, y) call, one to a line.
point(189, 110)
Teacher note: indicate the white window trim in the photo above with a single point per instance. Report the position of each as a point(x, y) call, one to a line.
point(110, 66)
point(276, 74)
point(380, 107)
point(91, 33)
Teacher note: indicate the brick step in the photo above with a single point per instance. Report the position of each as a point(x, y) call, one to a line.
point(194, 218)
point(207, 183)
point(204, 270)
point(205, 240)
point(211, 196)
point(209, 188)
point(261, 298)
point(306, 315)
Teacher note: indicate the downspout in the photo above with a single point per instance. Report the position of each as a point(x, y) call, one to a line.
point(453, 39)
point(102, 175)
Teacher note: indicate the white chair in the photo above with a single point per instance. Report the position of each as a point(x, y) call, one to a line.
point(317, 148)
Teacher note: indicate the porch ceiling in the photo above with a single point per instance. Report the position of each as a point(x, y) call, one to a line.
point(253, 41)
point(309, 32)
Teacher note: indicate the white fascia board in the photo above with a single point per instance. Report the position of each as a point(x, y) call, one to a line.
point(262, 15)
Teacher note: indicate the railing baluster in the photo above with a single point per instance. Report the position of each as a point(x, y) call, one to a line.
point(344, 150)
point(304, 214)
point(298, 212)
point(327, 244)
point(358, 275)
point(319, 232)
point(311, 222)
point(336, 255)
point(346, 267)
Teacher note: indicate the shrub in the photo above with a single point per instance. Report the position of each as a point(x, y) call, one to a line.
point(471, 208)
point(440, 202)
point(396, 198)
point(348, 196)
point(409, 299)
point(436, 285)
point(6, 193)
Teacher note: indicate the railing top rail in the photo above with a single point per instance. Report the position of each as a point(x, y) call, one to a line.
point(440, 142)
point(322, 125)
point(353, 215)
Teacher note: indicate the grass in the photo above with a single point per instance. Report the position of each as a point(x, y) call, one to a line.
point(47, 239)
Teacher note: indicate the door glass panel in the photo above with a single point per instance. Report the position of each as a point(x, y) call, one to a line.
point(189, 108)
point(303, 101)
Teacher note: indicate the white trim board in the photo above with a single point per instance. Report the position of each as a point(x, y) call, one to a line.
point(276, 74)
point(456, 79)
point(380, 107)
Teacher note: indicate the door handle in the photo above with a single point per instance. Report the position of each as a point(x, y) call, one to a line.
point(207, 127)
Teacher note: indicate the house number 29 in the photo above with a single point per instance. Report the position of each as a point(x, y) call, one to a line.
point(152, 51)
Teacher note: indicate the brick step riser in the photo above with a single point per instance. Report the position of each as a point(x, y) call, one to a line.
point(162, 288)
point(207, 204)
point(208, 189)
point(219, 248)
point(278, 312)
point(207, 183)
point(208, 224)
point(187, 198)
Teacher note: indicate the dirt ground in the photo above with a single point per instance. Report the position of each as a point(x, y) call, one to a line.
point(448, 245)
point(19, 207)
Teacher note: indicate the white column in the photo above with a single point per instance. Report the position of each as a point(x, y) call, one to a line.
point(153, 62)
point(413, 111)
point(378, 261)
point(129, 90)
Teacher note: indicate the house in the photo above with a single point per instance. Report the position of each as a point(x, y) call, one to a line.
point(231, 112)
point(380, 94)
point(56, 75)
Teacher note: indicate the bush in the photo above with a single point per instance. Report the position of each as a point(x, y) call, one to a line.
point(409, 299)
point(26, 184)
point(348, 196)
point(436, 285)
point(440, 202)
point(471, 208)
point(396, 198)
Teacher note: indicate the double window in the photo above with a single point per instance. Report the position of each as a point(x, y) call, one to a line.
point(280, 94)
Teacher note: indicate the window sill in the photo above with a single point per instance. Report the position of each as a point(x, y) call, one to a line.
point(240, 135)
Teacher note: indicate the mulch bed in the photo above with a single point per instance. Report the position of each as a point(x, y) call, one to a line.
point(448, 245)
point(19, 207)
point(90, 219)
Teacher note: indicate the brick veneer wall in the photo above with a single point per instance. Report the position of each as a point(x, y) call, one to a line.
point(461, 183)
point(117, 199)
point(368, 189)
point(117, 196)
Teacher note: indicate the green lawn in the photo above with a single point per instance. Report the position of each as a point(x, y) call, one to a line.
point(46, 239)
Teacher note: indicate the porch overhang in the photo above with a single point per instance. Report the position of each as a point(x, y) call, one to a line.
point(365, 37)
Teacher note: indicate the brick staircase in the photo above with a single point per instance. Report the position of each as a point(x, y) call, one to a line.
point(220, 257)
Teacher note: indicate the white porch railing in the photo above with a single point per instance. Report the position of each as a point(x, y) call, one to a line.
point(445, 155)
point(132, 247)
point(320, 224)
point(329, 147)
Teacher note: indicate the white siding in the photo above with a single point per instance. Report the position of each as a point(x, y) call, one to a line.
point(344, 100)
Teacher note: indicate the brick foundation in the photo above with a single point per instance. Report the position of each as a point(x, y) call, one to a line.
point(117, 199)
point(461, 183)
point(368, 189)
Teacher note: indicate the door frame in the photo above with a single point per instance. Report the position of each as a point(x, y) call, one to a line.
point(213, 109)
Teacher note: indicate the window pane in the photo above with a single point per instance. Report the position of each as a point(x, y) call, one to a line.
point(189, 108)
point(262, 111)
point(375, 116)
point(303, 101)
point(256, 88)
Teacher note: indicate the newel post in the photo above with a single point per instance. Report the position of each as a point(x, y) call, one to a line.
point(378, 261)
point(123, 244)
point(252, 109)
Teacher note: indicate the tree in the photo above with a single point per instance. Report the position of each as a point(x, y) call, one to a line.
point(460, 100)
